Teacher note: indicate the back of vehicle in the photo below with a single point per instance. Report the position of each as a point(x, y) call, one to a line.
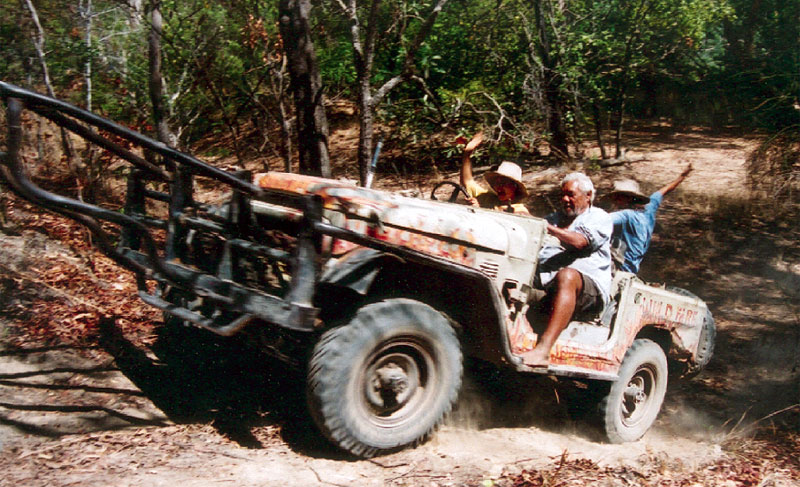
point(657, 332)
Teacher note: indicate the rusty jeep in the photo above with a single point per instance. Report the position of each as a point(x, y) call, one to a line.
point(377, 297)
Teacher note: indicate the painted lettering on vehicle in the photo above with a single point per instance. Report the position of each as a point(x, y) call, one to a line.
point(654, 311)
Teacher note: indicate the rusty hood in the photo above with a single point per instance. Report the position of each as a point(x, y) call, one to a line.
point(405, 220)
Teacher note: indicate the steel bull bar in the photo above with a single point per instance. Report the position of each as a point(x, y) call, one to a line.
point(135, 247)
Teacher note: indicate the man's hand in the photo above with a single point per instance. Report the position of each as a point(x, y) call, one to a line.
point(675, 182)
point(473, 144)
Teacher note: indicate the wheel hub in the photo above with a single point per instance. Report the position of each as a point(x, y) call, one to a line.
point(636, 397)
point(392, 381)
point(635, 393)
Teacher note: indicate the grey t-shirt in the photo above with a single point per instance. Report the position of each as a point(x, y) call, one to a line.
point(594, 261)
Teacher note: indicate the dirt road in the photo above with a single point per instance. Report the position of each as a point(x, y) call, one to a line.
point(107, 411)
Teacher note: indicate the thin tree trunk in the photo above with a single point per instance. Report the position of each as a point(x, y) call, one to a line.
point(366, 131)
point(620, 119)
point(156, 80)
point(231, 121)
point(552, 86)
point(363, 59)
point(66, 143)
point(286, 136)
point(598, 129)
point(306, 85)
point(87, 71)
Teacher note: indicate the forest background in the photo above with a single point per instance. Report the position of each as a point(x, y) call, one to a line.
point(316, 87)
point(541, 76)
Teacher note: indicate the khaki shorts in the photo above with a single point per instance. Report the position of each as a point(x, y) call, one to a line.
point(589, 301)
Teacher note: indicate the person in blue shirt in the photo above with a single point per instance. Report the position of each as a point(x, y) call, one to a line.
point(633, 226)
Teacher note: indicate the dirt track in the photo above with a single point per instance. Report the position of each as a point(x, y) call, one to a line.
point(112, 414)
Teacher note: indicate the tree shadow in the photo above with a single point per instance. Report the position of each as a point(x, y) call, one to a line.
point(732, 254)
point(221, 381)
point(28, 396)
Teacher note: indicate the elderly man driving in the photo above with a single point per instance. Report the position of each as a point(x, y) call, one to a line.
point(576, 272)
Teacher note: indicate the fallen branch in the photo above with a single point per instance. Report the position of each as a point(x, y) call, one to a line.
point(325, 481)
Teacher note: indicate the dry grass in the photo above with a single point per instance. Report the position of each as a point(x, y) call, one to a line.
point(773, 170)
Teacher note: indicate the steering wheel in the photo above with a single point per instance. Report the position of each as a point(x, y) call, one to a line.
point(457, 188)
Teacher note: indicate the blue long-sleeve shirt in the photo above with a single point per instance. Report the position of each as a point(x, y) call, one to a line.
point(635, 229)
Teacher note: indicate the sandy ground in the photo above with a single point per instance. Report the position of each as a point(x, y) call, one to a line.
point(76, 416)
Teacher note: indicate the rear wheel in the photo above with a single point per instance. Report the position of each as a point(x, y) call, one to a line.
point(386, 379)
point(708, 336)
point(634, 400)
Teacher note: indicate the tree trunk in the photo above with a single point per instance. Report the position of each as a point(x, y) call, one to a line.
point(620, 109)
point(366, 131)
point(87, 68)
point(286, 136)
point(75, 165)
point(156, 81)
point(598, 129)
point(284, 112)
point(620, 120)
point(552, 85)
point(306, 85)
point(135, 9)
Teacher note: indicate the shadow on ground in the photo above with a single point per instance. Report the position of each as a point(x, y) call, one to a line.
point(54, 391)
point(224, 382)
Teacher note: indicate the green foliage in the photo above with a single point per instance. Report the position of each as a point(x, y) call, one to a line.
point(716, 62)
point(17, 48)
point(760, 80)
point(612, 45)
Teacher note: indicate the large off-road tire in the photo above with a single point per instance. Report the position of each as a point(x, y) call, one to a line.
point(634, 399)
point(708, 336)
point(386, 379)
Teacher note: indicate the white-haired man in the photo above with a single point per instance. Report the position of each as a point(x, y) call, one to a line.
point(576, 272)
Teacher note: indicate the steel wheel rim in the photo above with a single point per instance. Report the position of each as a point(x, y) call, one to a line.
point(398, 382)
point(637, 397)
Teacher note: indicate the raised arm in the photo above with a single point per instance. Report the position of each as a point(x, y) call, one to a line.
point(466, 162)
point(674, 184)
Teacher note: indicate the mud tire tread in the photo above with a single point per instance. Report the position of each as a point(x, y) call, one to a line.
point(341, 350)
point(642, 352)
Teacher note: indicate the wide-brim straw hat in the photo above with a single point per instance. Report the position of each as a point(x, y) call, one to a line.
point(508, 171)
point(630, 188)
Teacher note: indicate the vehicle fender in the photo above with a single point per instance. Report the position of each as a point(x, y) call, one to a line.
point(356, 270)
point(471, 301)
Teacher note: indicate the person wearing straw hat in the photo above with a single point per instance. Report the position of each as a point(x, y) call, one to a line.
point(505, 182)
point(635, 218)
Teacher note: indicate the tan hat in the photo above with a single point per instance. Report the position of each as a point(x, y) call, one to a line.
point(509, 171)
point(629, 187)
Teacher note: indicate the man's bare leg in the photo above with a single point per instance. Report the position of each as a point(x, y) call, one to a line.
point(569, 285)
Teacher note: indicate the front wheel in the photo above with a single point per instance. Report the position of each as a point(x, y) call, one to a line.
point(386, 379)
point(634, 400)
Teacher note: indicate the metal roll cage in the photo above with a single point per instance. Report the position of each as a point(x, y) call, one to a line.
point(136, 248)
